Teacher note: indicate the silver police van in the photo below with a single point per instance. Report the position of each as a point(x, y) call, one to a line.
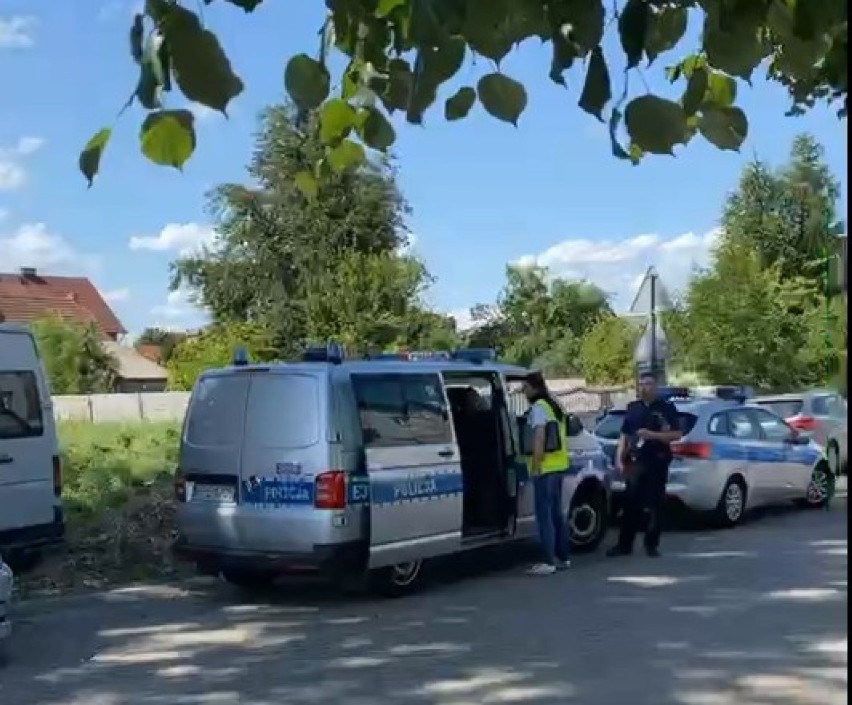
point(358, 469)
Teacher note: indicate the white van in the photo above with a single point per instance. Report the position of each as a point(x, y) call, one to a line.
point(30, 468)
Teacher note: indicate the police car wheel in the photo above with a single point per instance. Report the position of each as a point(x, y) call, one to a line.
point(732, 503)
point(819, 488)
point(398, 580)
point(587, 520)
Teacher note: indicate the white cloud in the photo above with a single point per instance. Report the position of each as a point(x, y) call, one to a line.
point(33, 245)
point(116, 295)
point(617, 266)
point(184, 239)
point(12, 173)
point(178, 305)
point(16, 32)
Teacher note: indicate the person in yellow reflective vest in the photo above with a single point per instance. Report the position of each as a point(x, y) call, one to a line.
point(548, 465)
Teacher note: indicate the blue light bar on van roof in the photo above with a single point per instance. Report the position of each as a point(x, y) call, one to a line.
point(476, 355)
point(333, 353)
point(673, 393)
point(240, 357)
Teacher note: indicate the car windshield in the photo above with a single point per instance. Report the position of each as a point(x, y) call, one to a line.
point(610, 426)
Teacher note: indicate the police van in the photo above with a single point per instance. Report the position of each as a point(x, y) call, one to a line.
point(30, 469)
point(365, 468)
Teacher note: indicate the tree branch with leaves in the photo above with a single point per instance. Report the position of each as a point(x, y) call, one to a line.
point(401, 53)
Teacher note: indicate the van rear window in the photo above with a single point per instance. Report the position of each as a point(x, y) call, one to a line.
point(283, 411)
point(216, 415)
point(20, 407)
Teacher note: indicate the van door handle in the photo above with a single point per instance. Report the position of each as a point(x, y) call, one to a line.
point(6, 459)
point(446, 453)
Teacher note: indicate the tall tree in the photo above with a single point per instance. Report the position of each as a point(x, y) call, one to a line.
point(73, 357)
point(307, 270)
point(400, 53)
point(607, 349)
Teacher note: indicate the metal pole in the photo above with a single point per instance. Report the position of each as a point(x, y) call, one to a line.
point(654, 323)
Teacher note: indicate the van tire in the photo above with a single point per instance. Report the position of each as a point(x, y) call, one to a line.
point(398, 580)
point(248, 579)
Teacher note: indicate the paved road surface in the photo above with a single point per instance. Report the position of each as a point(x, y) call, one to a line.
point(754, 616)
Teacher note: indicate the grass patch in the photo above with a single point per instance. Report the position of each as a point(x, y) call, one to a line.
point(105, 463)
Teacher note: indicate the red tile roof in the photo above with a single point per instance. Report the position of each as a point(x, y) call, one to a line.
point(26, 298)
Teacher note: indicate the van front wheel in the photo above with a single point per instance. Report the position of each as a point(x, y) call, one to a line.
point(398, 580)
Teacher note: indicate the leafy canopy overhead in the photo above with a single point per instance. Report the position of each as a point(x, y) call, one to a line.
point(401, 53)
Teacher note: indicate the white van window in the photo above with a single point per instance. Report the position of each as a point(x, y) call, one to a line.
point(398, 410)
point(283, 411)
point(216, 415)
point(20, 408)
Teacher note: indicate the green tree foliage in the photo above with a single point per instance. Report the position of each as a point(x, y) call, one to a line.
point(308, 271)
point(539, 321)
point(606, 351)
point(399, 54)
point(165, 340)
point(73, 357)
point(215, 347)
point(788, 215)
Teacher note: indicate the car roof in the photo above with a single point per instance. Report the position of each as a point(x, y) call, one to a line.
point(692, 406)
point(795, 396)
point(374, 367)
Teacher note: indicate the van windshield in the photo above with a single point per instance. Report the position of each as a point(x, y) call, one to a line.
point(261, 409)
point(20, 409)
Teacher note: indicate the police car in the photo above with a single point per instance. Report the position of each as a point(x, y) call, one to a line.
point(5, 600)
point(734, 456)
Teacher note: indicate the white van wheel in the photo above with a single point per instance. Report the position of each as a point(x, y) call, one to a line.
point(398, 580)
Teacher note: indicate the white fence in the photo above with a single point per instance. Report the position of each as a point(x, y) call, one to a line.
point(170, 406)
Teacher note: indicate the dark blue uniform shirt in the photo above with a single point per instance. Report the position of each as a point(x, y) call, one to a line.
point(659, 415)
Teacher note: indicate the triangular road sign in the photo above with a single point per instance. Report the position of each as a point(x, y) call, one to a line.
point(641, 305)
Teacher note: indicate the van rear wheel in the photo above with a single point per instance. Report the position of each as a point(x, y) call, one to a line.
point(398, 580)
point(248, 579)
point(587, 518)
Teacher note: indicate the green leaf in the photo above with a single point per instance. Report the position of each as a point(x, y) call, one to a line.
point(696, 89)
point(247, 5)
point(375, 130)
point(633, 30)
point(502, 97)
point(486, 28)
point(148, 87)
point(398, 89)
point(307, 184)
point(458, 105)
point(386, 7)
point(336, 120)
point(721, 89)
point(136, 34)
point(424, 91)
point(726, 127)
point(307, 82)
point(614, 121)
point(655, 124)
point(666, 27)
point(201, 68)
point(737, 52)
point(345, 156)
point(597, 90)
point(168, 137)
point(584, 17)
point(564, 54)
point(443, 61)
point(90, 158)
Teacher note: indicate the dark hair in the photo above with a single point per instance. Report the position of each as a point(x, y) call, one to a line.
point(648, 375)
point(541, 392)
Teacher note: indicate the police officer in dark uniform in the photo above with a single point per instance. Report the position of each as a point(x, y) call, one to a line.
point(650, 425)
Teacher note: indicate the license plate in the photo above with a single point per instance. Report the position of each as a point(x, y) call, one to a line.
point(213, 493)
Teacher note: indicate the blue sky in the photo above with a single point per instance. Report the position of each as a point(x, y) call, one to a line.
point(483, 193)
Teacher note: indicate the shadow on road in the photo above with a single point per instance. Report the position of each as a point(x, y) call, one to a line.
point(755, 616)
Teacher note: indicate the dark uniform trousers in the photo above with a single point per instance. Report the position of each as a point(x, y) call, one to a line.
point(645, 492)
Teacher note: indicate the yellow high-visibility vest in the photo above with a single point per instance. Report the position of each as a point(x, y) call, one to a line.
point(558, 460)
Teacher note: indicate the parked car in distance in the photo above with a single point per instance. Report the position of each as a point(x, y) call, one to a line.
point(818, 414)
point(5, 601)
point(733, 457)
